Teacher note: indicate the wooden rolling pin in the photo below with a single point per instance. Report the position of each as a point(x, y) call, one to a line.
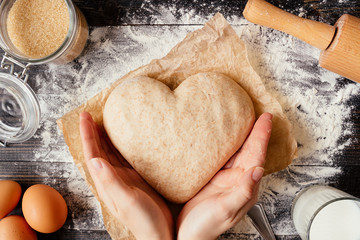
point(340, 44)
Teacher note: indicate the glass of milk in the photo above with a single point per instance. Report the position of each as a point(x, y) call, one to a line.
point(323, 212)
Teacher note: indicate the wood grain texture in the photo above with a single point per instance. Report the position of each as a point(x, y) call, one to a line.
point(315, 33)
point(29, 173)
point(34, 162)
point(343, 54)
point(123, 12)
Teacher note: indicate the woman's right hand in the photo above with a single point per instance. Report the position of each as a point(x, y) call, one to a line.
point(125, 193)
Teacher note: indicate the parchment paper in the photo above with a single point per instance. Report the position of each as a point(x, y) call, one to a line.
point(214, 48)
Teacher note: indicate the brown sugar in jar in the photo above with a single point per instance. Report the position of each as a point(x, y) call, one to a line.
point(42, 31)
point(38, 27)
point(33, 32)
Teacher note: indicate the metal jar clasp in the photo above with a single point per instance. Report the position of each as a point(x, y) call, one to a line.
point(15, 67)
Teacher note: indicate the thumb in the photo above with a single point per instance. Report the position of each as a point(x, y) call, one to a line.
point(109, 186)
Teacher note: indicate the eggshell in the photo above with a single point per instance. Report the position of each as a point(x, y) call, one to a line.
point(10, 193)
point(44, 208)
point(15, 228)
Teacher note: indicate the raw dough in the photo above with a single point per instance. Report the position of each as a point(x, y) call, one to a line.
point(178, 140)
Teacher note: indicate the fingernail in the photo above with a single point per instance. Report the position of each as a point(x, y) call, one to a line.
point(257, 174)
point(82, 115)
point(96, 164)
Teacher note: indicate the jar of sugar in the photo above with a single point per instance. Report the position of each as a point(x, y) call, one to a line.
point(33, 32)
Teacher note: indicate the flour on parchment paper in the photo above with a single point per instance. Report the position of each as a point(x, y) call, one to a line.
point(317, 102)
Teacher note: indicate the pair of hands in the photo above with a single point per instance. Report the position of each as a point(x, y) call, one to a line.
point(217, 207)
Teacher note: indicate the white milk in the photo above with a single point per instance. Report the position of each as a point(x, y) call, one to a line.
point(332, 214)
point(338, 220)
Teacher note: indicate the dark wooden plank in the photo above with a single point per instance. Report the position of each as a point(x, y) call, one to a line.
point(277, 193)
point(237, 236)
point(103, 13)
point(234, 236)
point(63, 88)
point(111, 12)
point(76, 235)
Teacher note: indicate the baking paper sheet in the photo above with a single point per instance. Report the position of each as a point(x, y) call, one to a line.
point(213, 48)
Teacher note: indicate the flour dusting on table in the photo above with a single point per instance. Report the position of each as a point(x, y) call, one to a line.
point(316, 101)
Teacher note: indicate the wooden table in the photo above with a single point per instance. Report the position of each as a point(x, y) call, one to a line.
point(126, 34)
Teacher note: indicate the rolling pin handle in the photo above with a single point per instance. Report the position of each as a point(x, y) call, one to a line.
point(315, 33)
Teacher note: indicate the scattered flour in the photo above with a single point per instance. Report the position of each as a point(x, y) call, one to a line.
point(314, 99)
point(317, 102)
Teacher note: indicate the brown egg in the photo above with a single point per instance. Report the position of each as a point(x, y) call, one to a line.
point(44, 208)
point(10, 193)
point(15, 228)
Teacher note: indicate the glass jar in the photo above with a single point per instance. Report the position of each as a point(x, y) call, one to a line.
point(71, 47)
point(324, 212)
point(19, 106)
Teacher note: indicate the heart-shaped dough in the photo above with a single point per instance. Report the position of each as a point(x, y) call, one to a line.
point(177, 140)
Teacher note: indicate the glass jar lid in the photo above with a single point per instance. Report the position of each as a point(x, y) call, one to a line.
point(19, 110)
